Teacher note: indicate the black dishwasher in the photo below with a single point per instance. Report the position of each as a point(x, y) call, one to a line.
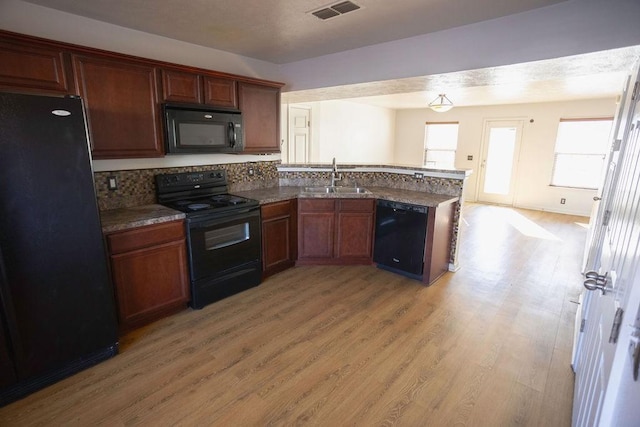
point(401, 230)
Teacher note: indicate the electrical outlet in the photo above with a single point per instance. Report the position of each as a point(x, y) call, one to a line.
point(418, 175)
point(112, 182)
point(563, 201)
point(251, 171)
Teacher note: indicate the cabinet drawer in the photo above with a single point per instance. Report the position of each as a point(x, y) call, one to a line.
point(143, 237)
point(276, 209)
point(316, 205)
point(356, 205)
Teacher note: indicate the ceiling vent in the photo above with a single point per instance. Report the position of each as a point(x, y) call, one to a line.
point(335, 10)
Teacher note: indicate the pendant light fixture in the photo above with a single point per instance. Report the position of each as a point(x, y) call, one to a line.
point(441, 104)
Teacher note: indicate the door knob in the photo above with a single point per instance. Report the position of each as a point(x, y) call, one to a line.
point(596, 281)
point(596, 198)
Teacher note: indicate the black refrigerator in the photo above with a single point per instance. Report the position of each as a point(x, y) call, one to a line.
point(57, 309)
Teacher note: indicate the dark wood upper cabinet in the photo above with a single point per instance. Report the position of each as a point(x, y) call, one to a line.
point(220, 92)
point(178, 86)
point(123, 93)
point(122, 106)
point(29, 67)
point(260, 106)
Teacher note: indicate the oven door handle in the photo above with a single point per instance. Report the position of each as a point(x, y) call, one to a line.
point(231, 215)
point(227, 244)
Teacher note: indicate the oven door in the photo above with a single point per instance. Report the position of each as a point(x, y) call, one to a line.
point(228, 240)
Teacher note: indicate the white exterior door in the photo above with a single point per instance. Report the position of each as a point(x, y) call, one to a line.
point(299, 135)
point(604, 364)
point(500, 153)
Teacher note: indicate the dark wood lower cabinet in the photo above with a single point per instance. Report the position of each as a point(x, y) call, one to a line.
point(279, 236)
point(335, 231)
point(149, 270)
point(316, 229)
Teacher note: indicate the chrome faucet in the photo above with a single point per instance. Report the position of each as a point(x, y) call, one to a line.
point(335, 176)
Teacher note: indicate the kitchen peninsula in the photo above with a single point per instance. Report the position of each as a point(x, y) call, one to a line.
point(346, 219)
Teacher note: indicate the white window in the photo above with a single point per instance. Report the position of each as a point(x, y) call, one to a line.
point(581, 147)
point(440, 143)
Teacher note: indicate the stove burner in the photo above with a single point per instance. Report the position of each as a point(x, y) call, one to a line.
point(227, 199)
point(236, 200)
point(198, 206)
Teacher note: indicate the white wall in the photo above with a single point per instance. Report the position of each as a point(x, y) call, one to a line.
point(537, 151)
point(39, 21)
point(351, 132)
point(568, 28)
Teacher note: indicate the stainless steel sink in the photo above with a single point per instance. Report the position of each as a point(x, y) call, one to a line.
point(340, 190)
point(351, 190)
point(319, 190)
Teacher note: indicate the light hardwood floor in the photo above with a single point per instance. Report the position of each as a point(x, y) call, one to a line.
point(489, 345)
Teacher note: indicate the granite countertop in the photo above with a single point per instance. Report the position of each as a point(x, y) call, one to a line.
point(413, 197)
point(396, 168)
point(277, 194)
point(137, 216)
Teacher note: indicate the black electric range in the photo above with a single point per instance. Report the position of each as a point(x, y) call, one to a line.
point(223, 233)
point(199, 194)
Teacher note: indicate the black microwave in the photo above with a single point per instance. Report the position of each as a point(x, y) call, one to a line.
point(197, 129)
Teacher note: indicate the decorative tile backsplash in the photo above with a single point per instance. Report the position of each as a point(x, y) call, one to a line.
point(137, 187)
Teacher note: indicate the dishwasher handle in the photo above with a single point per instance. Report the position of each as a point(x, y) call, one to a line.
point(400, 207)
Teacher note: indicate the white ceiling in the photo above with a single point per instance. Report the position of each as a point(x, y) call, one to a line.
point(283, 31)
point(588, 76)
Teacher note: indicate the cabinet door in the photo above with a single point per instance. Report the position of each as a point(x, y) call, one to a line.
point(181, 87)
point(122, 107)
point(279, 241)
point(316, 234)
point(260, 106)
point(34, 68)
point(276, 248)
point(220, 92)
point(150, 282)
point(316, 228)
point(354, 240)
point(355, 236)
point(149, 269)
